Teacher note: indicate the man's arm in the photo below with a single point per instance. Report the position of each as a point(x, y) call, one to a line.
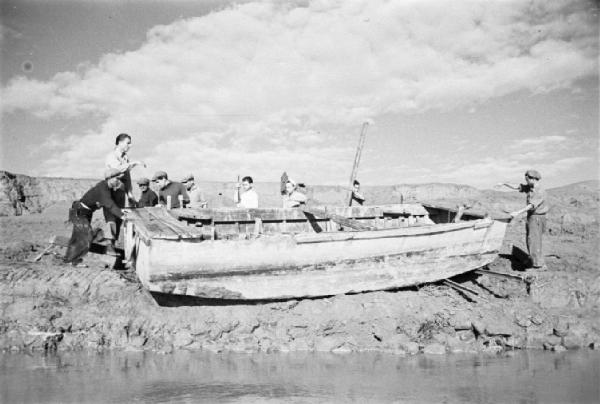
point(521, 211)
point(298, 197)
point(153, 198)
point(112, 162)
point(505, 184)
point(358, 196)
point(106, 201)
point(184, 194)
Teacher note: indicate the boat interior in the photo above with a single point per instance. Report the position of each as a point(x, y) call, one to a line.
point(236, 223)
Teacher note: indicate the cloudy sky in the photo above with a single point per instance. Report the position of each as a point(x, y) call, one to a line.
point(468, 92)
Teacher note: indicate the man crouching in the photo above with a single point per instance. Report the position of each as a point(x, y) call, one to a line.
point(99, 196)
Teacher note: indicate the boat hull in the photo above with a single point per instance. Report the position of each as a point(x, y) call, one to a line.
point(310, 265)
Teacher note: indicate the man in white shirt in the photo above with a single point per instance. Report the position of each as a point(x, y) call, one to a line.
point(118, 159)
point(292, 198)
point(245, 196)
point(197, 199)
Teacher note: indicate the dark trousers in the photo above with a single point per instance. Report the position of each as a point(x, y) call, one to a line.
point(113, 222)
point(81, 237)
point(535, 228)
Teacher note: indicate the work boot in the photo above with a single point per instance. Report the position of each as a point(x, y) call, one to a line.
point(110, 250)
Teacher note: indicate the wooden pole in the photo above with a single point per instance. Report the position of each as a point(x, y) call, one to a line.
point(361, 142)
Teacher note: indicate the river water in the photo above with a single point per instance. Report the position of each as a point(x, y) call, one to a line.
point(190, 377)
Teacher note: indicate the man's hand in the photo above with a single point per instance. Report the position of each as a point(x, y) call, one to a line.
point(137, 163)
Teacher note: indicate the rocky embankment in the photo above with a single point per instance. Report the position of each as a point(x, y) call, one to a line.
point(45, 305)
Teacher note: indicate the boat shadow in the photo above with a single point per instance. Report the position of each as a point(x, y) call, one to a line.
point(519, 259)
point(168, 300)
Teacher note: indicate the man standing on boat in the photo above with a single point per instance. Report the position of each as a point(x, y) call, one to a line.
point(148, 197)
point(247, 196)
point(536, 209)
point(197, 199)
point(99, 196)
point(123, 196)
point(356, 195)
point(292, 198)
point(170, 191)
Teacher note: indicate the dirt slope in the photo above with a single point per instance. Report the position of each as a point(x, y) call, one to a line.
point(47, 305)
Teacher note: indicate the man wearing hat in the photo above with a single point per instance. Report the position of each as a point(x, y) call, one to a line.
point(170, 190)
point(197, 199)
point(291, 197)
point(536, 208)
point(148, 197)
point(99, 196)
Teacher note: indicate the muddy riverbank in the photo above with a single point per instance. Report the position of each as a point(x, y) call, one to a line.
point(47, 306)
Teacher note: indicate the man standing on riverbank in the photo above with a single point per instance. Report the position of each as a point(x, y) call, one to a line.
point(99, 196)
point(170, 191)
point(123, 196)
point(536, 209)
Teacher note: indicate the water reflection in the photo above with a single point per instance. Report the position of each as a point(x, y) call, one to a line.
point(527, 377)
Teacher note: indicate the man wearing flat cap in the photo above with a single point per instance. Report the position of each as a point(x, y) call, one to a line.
point(197, 199)
point(148, 197)
point(99, 196)
point(170, 191)
point(536, 208)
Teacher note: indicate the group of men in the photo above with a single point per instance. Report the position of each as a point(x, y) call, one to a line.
point(114, 195)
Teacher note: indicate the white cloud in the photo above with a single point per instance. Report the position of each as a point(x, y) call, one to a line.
point(539, 142)
point(267, 86)
point(8, 32)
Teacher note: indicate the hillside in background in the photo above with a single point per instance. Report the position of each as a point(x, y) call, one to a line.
point(572, 205)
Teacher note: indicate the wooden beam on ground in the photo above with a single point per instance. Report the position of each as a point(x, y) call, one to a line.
point(499, 274)
point(463, 289)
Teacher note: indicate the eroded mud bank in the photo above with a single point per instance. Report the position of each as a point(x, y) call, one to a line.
point(49, 306)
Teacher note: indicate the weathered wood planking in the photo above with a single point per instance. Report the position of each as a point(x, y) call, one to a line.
point(279, 266)
point(232, 215)
point(229, 223)
point(158, 223)
point(390, 233)
point(344, 221)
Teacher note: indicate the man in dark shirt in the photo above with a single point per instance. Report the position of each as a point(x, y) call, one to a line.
point(99, 196)
point(148, 198)
point(170, 191)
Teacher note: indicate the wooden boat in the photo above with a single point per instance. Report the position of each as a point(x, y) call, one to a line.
point(255, 254)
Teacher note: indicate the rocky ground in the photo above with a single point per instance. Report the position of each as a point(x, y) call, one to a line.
point(45, 305)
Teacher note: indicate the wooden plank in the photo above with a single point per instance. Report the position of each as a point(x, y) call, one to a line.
point(382, 233)
point(231, 215)
point(257, 227)
point(171, 226)
point(344, 221)
point(361, 142)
